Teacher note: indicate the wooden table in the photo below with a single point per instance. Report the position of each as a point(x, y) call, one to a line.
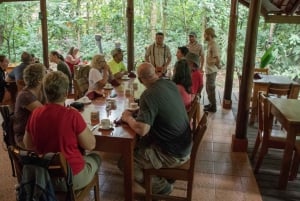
point(287, 112)
point(122, 138)
point(262, 85)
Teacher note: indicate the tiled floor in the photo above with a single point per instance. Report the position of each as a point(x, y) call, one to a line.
point(220, 175)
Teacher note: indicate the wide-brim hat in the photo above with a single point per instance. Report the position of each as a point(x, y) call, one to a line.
point(210, 31)
point(193, 58)
point(116, 51)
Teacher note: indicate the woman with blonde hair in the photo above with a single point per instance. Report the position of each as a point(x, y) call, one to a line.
point(99, 73)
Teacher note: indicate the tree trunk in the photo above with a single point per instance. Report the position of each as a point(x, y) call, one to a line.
point(87, 25)
point(164, 11)
point(77, 26)
point(271, 33)
point(153, 18)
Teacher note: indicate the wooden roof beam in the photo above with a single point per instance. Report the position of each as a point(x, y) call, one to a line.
point(295, 7)
point(2, 1)
point(282, 19)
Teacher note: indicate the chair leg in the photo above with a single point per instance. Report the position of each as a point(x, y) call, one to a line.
point(263, 152)
point(96, 189)
point(295, 166)
point(256, 146)
point(148, 187)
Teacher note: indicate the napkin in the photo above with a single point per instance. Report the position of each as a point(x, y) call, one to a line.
point(93, 95)
point(114, 83)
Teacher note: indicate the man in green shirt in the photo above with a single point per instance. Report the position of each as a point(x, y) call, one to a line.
point(116, 65)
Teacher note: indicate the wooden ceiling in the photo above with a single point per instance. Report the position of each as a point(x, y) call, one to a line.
point(279, 11)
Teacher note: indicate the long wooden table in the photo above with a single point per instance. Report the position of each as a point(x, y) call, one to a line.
point(122, 138)
point(287, 112)
point(262, 85)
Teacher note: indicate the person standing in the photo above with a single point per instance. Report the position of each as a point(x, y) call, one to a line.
point(72, 59)
point(116, 65)
point(211, 68)
point(3, 65)
point(57, 58)
point(159, 54)
point(196, 48)
point(163, 125)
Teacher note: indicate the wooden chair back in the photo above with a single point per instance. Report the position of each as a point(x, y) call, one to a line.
point(59, 169)
point(264, 71)
point(81, 80)
point(184, 172)
point(279, 90)
point(194, 113)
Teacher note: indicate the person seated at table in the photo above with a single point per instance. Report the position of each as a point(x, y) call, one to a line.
point(197, 74)
point(72, 59)
point(57, 58)
point(116, 65)
point(16, 75)
point(163, 125)
point(99, 73)
point(183, 81)
point(28, 99)
point(56, 128)
point(3, 65)
point(181, 52)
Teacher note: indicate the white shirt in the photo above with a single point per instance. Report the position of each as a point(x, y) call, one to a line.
point(94, 76)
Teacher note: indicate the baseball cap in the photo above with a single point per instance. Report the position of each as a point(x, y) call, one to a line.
point(116, 51)
point(210, 31)
point(193, 34)
point(193, 58)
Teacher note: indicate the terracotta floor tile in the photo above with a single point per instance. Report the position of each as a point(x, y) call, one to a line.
point(228, 182)
point(203, 180)
point(229, 195)
point(204, 194)
point(221, 147)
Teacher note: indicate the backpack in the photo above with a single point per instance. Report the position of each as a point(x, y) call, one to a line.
point(36, 184)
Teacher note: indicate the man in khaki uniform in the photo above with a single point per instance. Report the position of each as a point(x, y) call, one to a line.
point(196, 48)
point(211, 69)
point(159, 54)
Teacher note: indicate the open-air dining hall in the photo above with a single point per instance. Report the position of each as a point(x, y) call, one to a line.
point(113, 118)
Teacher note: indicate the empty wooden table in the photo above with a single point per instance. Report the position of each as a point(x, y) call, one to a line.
point(287, 112)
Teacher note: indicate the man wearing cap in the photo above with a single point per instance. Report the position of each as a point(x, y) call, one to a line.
point(116, 65)
point(196, 48)
point(159, 54)
point(197, 74)
point(211, 69)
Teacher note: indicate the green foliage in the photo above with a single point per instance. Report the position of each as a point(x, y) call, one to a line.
point(75, 22)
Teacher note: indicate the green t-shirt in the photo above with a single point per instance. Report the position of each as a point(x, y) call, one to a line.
point(116, 67)
point(161, 107)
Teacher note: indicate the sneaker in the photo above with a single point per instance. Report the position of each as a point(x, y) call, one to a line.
point(166, 190)
point(210, 109)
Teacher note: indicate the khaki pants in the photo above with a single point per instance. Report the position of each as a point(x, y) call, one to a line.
point(211, 88)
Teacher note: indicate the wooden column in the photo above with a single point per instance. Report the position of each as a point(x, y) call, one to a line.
point(130, 35)
point(230, 54)
point(43, 18)
point(240, 141)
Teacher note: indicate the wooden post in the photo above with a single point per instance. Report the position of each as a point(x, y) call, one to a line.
point(43, 18)
point(130, 35)
point(230, 54)
point(239, 142)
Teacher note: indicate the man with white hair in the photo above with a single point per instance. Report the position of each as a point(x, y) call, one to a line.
point(163, 126)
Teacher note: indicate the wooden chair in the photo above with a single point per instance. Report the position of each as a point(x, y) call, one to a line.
point(185, 172)
point(194, 113)
point(81, 80)
point(59, 169)
point(295, 162)
point(264, 71)
point(265, 136)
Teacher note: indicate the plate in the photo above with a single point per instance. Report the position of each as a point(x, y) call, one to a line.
point(108, 88)
point(86, 101)
point(125, 78)
point(133, 109)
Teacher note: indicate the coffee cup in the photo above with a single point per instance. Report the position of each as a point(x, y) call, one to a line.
point(105, 123)
point(134, 105)
point(112, 103)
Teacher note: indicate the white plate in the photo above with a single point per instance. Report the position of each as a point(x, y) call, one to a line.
point(125, 78)
point(108, 88)
point(109, 128)
point(133, 109)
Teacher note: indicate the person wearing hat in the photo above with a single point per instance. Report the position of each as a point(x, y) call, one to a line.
point(196, 48)
point(116, 65)
point(197, 74)
point(211, 68)
point(159, 54)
